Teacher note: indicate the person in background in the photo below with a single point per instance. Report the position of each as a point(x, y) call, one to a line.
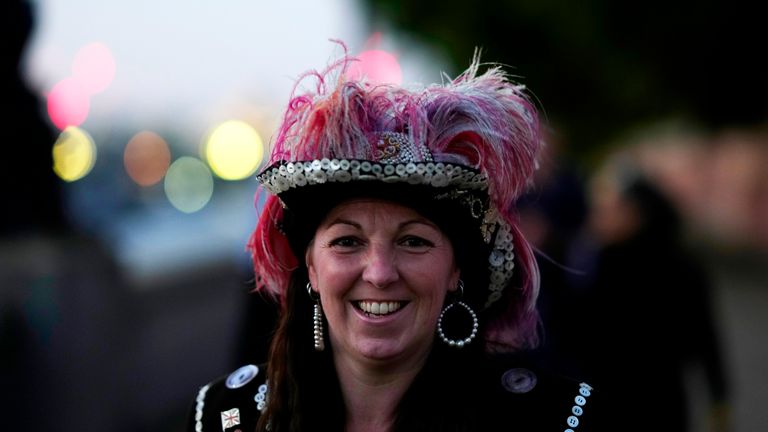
point(650, 317)
point(61, 292)
point(552, 218)
point(32, 192)
point(407, 290)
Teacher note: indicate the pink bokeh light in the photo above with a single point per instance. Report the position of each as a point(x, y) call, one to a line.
point(379, 66)
point(94, 66)
point(68, 103)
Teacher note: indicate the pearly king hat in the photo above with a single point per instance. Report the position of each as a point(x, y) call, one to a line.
point(466, 148)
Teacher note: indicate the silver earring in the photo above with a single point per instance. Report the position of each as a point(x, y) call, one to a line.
point(317, 319)
point(458, 342)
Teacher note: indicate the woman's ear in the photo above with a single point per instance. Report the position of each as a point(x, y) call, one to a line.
point(311, 273)
point(453, 284)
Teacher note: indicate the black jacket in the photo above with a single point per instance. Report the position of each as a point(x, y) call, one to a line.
point(512, 398)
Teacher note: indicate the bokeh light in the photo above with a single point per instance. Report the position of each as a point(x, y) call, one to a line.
point(188, 184)
point(234, 150)
point(68, 103)
point(94, 66)
point(146, 158)
point(74, 154)
point(379, 66)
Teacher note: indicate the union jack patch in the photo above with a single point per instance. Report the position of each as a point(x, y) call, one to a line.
point(230, 418)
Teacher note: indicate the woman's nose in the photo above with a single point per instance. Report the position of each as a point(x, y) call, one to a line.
point(380, 267)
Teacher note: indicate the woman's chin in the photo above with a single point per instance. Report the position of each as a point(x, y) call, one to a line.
point(386, 351)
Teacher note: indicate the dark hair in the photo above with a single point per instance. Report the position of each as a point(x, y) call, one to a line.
point(303, 386)
point(660, 218)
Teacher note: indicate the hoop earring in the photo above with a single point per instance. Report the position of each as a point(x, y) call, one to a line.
point(459, 343)
point(317, 319)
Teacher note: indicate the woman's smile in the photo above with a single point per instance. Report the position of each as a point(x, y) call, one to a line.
point(378, 308)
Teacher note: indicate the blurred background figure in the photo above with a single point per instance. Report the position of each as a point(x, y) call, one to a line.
point(649, 318)
point(552, 215)
point(59, 290)
point(32, 200)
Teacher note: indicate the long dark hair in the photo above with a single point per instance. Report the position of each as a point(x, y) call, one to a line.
point(304, 392)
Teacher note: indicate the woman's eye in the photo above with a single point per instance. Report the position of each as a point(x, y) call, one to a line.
point(344, 242)
point(413, 241)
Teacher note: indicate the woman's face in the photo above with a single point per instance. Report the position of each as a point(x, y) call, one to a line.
point(382, 271)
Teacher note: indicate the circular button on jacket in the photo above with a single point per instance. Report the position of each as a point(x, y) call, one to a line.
point(241, 376)
point(518, 380)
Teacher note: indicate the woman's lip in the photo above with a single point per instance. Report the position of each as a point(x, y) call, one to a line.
point(379, 300)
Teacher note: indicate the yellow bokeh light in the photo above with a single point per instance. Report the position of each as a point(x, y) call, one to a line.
point(74, 154)
point(188, 184)
point(234, 150)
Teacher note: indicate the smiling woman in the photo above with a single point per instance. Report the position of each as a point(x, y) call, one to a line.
point(382, 271)
point(389, 237)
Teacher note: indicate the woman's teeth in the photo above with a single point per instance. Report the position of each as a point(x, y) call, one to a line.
point(379, 308)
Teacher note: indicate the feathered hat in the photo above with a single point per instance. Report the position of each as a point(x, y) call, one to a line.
point(469, 144)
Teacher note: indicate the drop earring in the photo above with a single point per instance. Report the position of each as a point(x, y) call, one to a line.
point(317, 319)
